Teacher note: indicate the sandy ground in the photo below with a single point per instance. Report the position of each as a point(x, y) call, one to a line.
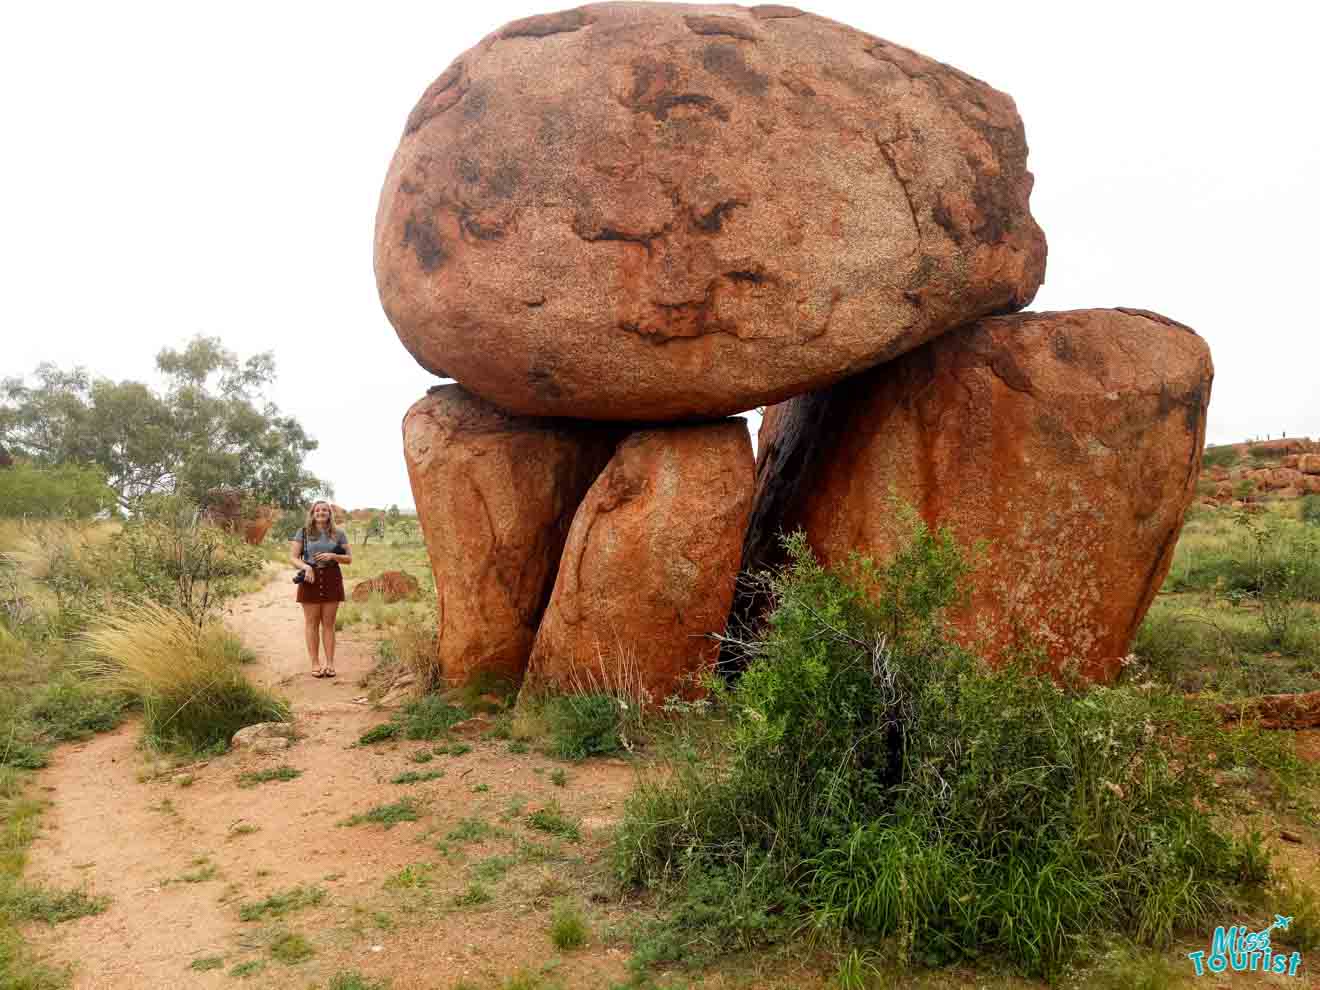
point(179, 851)
point(141, 840)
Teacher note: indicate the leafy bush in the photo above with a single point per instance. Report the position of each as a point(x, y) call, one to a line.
point(1310, 509)
point(1219, 457)
point(568, 926)
point(876, 778)
point(194, 695)
point(69, 491)
point(583, 725)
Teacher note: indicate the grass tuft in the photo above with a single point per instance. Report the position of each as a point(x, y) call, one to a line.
point(568, 927)
point(386, 815)
point(254, 777)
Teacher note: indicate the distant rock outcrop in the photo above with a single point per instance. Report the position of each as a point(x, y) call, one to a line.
point(495, 496)
point(1070, 441)
point(233, 511)
point(660, 211)
point(649, 568)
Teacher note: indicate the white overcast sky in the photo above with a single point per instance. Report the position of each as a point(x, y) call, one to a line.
point(180, 168)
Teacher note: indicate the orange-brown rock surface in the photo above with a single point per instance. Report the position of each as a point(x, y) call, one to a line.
point(233, 512)
point(393, 586)
point(663, 211)
point(495, 495)
point(1070, 440)
point(1277, 711)
point(649, 568)
point(1309, 463)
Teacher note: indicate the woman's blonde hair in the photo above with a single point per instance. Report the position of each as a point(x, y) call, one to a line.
point(310, 529)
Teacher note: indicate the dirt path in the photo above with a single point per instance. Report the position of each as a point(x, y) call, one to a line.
point(180, 853)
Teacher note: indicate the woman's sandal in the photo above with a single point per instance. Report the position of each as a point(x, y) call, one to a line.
point(319, 672)
point(329, 672)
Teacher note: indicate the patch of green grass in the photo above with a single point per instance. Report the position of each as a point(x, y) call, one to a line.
point(411, 877)
point(380, 733)
point(254, 777)
point(474, 895)
point(353, 980)
point(206, 870)
point(25, 903)
point(278, 905)
point(430, 717)
point(386, 815)
point(417, 776)
point(455, 749)
point(291, 949)
point(558, 777)
point(472, 830)
point(245, 969)
point(1134, 971)
point(551, 819)
point(1302, 904)
point(480, 788)
point(421, 756)
point(242, 828)
point(207, 962)
point(568, 927)
point(517, 747)
point(584, 725)
point(493, 868)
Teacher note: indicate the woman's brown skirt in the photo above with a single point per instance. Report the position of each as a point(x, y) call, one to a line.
point(328, 586)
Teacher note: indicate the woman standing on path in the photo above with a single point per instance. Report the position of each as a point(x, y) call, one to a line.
point(317, 550)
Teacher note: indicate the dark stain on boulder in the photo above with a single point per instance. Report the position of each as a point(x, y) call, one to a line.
point(420, 234)
point(712, 220)
point(504, 181)
point(727, 62)
point(468, 170)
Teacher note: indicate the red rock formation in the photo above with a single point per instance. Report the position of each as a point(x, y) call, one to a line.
point(495, 495)
point(1277, 711)
point(1071, 440)
point(650, 564)
point(1309, 463)
point(393, 586)
point(661, 211)
point(233, 511)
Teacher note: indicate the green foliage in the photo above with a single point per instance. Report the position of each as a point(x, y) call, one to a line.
point(568, 927)
point(1225, 456)
point(24, 903)
point(353, 980)
point(285, 902)
point(552, 819)
point(386, 815)
point(1302, 904)
point(194, 694)
point(417, 776)
point(875, 778)
point(245, 969)
point(1310, 510)
point(475, 894)
point(204, 963)
point(210, 427)
point(67, 491)
point(291, 948)
point(380, 733)
point(427, 718)
point(558, 777)
point(254, 777)
point(471, 830)
point(583, 725)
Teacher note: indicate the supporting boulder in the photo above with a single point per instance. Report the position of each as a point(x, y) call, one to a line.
point(1071, 442)
point(649, 568)
point(495, 495)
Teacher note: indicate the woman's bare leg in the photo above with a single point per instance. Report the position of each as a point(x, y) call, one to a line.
point(328, 612)
point(311, 631)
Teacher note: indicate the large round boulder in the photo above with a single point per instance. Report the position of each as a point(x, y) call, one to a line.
point(1069, 442)
point(664, 211)
point(650, 563)
point(495, 495)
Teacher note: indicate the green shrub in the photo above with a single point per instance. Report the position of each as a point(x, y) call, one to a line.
point(583, 725)
point(1225, 456)
point(1310, 510)
point(876, 778)
point(568, 926)
point(194, 695)
point(69, 491)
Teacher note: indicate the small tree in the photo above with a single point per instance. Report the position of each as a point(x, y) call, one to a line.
point(376, 528)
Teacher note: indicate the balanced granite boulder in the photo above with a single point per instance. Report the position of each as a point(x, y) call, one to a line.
point(666, 211)
point(649, 568)
point(495, 495)
point(1070, 441)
